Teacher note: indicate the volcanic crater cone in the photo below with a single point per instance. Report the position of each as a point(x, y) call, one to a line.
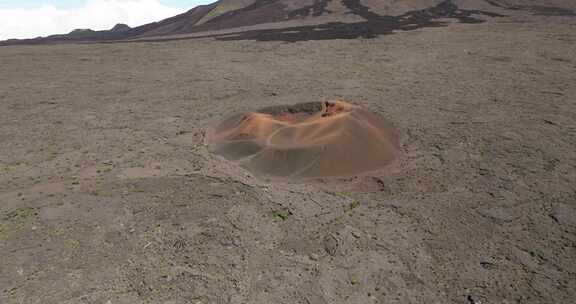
point(306, 140)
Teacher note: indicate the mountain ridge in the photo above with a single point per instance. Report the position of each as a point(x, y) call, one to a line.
point(230, 14)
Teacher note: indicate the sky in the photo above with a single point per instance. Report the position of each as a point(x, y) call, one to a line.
point(33, 18)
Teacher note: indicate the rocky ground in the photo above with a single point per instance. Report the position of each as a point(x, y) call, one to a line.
point(108, 194)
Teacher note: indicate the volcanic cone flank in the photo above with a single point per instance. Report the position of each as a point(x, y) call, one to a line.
point(307, 140)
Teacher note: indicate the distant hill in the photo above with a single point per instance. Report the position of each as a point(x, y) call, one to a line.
point(370, 15)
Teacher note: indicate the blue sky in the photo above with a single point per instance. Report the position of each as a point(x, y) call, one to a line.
point(33, 18)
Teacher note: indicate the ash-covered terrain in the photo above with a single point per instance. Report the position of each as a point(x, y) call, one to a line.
point(110, 193)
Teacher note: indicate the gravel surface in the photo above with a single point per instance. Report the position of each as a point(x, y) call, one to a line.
point(109, 195)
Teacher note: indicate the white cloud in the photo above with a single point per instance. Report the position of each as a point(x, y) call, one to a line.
point(94, 14)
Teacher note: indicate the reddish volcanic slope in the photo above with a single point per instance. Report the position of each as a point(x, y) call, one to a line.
point(308, 140)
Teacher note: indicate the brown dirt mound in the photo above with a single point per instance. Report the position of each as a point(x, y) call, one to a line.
point(306, 140)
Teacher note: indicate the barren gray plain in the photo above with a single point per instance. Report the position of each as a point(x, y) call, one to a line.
point(108, 193)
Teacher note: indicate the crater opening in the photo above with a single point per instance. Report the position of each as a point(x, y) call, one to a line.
point(306, 140)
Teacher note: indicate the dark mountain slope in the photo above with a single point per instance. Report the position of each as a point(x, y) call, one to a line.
point(377, 15)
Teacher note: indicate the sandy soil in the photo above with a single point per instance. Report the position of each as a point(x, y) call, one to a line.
point(108, 193)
